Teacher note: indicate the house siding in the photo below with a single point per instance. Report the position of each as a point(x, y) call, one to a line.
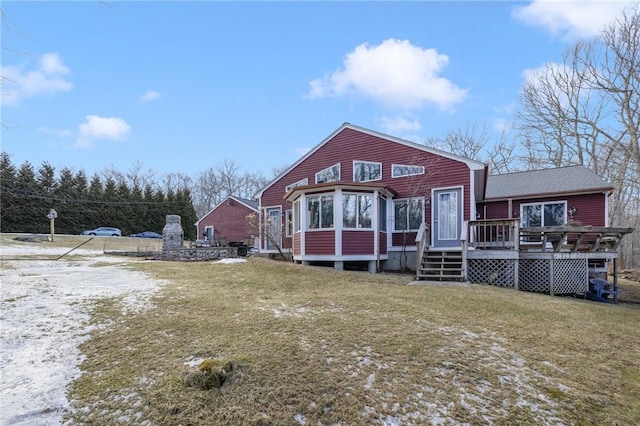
point(320, 242)
point(349, 145)
point(296, 244)
point(382, 242)
point(590, 208)
point(357, 242)
point(229, 220)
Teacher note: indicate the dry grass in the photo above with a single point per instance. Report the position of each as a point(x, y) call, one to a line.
point(316, 346)
point(319, 347)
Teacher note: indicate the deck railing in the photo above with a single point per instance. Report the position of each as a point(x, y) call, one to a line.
point(494, 234)
point(423, 239)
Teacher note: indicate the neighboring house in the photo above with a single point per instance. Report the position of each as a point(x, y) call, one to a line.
point(229, 220)
point(365, 198)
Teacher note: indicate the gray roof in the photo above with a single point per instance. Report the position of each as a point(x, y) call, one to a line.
point(250, 203)
point(563, 180)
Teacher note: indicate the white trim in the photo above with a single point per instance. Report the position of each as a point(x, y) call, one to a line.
point(353, 177)
point(274, 207)
point(606, 208)
point(301, 182)
point(373, 214)
point(542, 203)
point(223, 202)
point(406, 165)
point(393, 209)
point(288, 217)
point(472, 164)
point(328, 168)
point(337, 221)
point(462, 219)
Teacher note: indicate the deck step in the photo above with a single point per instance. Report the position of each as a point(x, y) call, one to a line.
point(441, 266)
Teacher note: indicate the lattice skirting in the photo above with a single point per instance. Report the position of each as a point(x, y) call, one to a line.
point(498, 272)
point(559, 276)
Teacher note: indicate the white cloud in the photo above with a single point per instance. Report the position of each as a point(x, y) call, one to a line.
point(395, 73)
point(48, 77)
point(398, 125)
point(105, 128)
point(574, 19)
point(151, 95)
point(301, 151)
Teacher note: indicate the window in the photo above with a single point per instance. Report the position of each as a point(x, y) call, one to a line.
point(543, 214)
point(330, 174)
point(289, 223)
point(356, 211)
point(409, 214)
point(320, 212)
point(401, 170)
point(365, 171)
point(296, 216)
point(382, 218)
point(301, 182)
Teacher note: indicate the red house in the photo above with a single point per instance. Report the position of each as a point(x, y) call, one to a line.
point(368, 199)
point(362, 196)
point(229, 221)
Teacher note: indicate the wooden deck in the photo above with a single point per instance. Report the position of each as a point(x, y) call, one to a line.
point(554, 259)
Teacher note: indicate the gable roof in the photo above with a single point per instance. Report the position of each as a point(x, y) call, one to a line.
point(472, 164)
point(562, 180)
point(253, 205)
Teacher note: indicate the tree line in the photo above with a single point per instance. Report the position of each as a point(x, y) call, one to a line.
point(27, 196)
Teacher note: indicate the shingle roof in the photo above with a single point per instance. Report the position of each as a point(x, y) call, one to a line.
point(572, 179)
point(250, 203)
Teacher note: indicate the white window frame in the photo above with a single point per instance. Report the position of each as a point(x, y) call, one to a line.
point(326, 171)
point(542, 204)
point(358, 195)
point(297, 225)
point(319, 197)
point(301, 182)
point(355, 162)
point(395, 219)
point(288, 218)
point(396, 175)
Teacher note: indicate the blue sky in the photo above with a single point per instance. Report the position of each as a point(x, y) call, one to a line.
point(183, 86)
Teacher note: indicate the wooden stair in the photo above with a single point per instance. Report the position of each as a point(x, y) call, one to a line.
point(437, 265)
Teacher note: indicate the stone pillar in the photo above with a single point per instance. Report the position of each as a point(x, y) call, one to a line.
point(172, 233)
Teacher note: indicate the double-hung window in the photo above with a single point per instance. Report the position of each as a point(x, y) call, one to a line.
point(409, 214)
point(357, 210)
point(320, 211)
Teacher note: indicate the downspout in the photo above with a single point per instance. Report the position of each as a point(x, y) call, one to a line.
point(376, 243)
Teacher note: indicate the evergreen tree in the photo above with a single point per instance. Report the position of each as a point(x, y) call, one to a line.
point(31, 214)
point(8, 201)
point(65, 205)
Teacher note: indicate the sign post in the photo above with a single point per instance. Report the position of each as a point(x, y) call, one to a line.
point(52, 217)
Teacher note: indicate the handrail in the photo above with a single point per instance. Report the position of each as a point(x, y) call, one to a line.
point(423, 239)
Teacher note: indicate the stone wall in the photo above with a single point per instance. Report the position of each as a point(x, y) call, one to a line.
point(197, 253)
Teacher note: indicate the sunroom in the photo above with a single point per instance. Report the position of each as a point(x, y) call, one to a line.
point(340, 223)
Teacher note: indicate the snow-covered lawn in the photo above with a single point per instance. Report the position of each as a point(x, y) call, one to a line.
point(44, 316)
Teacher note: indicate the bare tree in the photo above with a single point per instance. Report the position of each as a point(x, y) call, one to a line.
point(587, 111)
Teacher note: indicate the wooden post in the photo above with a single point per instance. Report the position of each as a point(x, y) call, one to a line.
point(52, 226)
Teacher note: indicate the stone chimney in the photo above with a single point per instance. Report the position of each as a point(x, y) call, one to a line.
point(172, 233)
